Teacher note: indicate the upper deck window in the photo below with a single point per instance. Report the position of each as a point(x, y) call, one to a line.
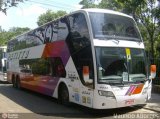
point(106, 26)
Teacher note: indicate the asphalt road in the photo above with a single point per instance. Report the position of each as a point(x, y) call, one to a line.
point(24, 104)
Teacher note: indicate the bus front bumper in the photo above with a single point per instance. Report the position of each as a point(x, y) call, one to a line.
point(102, 102)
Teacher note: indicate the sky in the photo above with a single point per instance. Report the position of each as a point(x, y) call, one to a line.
point(26, 14)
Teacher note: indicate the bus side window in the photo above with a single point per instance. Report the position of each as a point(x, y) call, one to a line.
point(79, 34)
point(62, 29)
point(57, 68)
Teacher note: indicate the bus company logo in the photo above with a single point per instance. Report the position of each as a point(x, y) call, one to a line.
point(19, 55)
point(103, 87)
point(86, 93)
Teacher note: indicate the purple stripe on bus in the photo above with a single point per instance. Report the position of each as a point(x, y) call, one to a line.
point(130, 89)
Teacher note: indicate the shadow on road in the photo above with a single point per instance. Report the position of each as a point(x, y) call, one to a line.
point(4, 82)
point(48, 106)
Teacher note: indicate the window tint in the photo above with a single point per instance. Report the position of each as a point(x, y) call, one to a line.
point(42, 35)
point(44, 66)
point(35, 66)
point(105, 26)
point(79, 25)
point(57, 68)
point(79, 35)
point(62, 29)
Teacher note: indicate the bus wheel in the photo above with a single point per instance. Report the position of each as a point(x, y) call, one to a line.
point(14, 82)
point(63, 94)
point(18, 85)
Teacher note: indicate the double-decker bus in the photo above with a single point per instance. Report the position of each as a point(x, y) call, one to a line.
point(3, 63)
point(92, 57)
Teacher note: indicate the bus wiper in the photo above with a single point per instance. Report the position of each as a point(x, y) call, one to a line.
point(138, 42)
point(114, 39)
point(112, 81)
point(137, 78)
point(116, 83)
point(140, 80)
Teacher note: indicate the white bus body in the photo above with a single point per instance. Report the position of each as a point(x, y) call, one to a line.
point(3, 63)
point(92, 57)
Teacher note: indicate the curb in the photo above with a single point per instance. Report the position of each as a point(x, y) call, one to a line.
point(158, 111)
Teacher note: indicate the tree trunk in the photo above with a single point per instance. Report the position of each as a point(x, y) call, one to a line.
point(152, 50)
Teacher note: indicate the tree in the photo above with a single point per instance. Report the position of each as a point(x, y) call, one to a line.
point(111, 4)
point(6, 4)
point(5, 36)
point(18, 30)
point(105, 4)
point(49, 16)
point(146, 13)
point(87, 4)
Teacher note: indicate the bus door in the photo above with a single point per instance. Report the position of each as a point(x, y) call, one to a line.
point(75, 88)
point(87, 86)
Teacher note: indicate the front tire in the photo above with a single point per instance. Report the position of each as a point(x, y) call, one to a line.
point(63, 94)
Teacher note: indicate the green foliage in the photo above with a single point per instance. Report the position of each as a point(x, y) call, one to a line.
point(49, 16)
point(87, 4)
point(104, 4)
point(111, 4)
point(17, 30)
point(145, 12)
point(5, 36)
point(6, 4)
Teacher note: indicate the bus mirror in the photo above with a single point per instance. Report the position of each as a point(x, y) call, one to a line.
point(86, 74)
point(153, 71)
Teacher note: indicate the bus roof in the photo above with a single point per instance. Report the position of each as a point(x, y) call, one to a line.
point(81, 10)
point(104, 11)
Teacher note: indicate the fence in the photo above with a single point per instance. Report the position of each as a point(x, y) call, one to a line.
point(156, 81)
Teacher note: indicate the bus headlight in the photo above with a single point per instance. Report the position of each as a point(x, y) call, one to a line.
point(106, 93)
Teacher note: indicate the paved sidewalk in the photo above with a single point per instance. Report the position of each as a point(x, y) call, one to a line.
point(154, 103)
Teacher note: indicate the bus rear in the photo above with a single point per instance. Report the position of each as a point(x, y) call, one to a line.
point(122, 70)
point(3, 63)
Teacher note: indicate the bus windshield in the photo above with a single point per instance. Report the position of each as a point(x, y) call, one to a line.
point(117, 65)
point(108, 26)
